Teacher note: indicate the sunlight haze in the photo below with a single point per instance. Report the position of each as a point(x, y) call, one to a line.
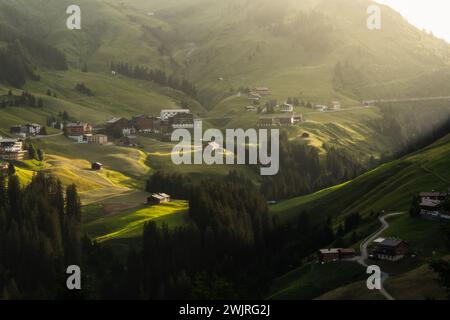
point(431, 15)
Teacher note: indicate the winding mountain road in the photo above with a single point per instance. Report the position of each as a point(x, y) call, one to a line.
point(364, 255)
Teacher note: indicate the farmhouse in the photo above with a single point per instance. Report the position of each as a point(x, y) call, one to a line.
point(29, 129)
point(391, 249)
point(328, 255)
point(98, 139)
point(158, 198)
point(336, 254)
point(75, 130)
point(262, 91)
point(439, 196)
point(320, 107)
point(182, 121)
point(286, 107)
point(143, 123)
point(334, 106)
point(254, 96)
point(275, 120)
point(250, 109)
point(432, 205)
point(169, 113)
point(12, 149)
point(97, 166)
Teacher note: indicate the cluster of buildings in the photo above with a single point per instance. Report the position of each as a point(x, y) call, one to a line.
point(26, 130)
point(279, 119)
point(82, 132)
point(282, 108)
point(12, 149)
point(388, 249)
point(127, 129)
point(332, 106)
point(169, 119)
point(431, 205)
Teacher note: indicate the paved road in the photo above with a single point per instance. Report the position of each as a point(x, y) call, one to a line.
point(364, 255)
point(406, 99)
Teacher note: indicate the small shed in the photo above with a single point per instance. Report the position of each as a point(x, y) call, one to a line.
point(97, 166)
point(158, 198)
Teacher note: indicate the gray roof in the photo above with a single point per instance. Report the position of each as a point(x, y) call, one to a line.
point(9, 140)
point(76, 124)
point(331, 250)
point(391, 242)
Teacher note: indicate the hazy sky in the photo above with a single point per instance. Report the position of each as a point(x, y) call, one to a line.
point(432, 15)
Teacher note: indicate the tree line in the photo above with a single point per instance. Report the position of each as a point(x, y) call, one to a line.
point(231, 249)
point(302, 172)
point(25, 99)
point(40, 235)
point(155, 75)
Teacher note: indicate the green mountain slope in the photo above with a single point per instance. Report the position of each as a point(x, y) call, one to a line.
point(389, 187)
point(319, 49)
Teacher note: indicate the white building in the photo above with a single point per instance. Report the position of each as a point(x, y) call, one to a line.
point(286, 107)
point(335, 105)
point(320, 107)
point(169, 113)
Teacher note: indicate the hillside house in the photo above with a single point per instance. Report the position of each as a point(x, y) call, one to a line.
point(158, 198)
point(98, 139)
point(298, 118)
point(439, 196)
point(166, 114)
point(320, 107)
point(143, 123)
point(262, 91)
point(75, 130)
point(391, 249)
point(251, 109)
point(29, 129)
point(334, 106)
point(96, 166)
point(18, 132)
point(286, 107)
point(329, 255)
point(182, 121)
point(431, 205)
point(92, 139)
point(12, 149)
point(336, 254)
point(277, 120)
point(254, 96)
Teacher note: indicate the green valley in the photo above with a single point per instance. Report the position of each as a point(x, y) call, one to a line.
point(86, 170)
